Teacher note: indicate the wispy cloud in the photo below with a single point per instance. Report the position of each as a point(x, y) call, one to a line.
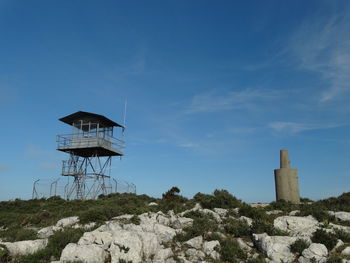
point(244, 99)
point(323, 46)
point(293, 128)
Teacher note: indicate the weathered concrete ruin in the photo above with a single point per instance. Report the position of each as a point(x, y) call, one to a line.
point(286, 180)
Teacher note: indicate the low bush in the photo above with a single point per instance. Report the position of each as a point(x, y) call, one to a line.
point(258, 259)
point(219, 199)
point(282, 205)
point(237, 228)
point(327, 239)
point(298, 246)
point(255, 213)
point(318, 211)
point(13, 234)
point(53, 250)
point(334, 259)
point(202, 224)
point(260, 226)
point(172, 200)
point(344, 236)
point(4, 254)
point(231, 252)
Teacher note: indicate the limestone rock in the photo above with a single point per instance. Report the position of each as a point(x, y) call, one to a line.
point(210, 212)
point(154, 218)
point(162, 254)
point(84, 253)
point(315, 253)
point(294, 212)
point(152, 204)
point(46, 232)
point(346, 251)
point(243, 245)
point(67, 222)
point(275, 248)
point(195, 242)
point(297, 226)
point(26, 247)
point(194, 255)
point(248, 220)
point(342, 216)
point(103, 239)
point(209, 246)
point(274, 212)
point(339, 244)
point(133, 246)
point(179, 222)
point(339, 227)
point(221, 211)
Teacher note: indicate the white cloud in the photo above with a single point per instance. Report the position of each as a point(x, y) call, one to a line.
point(244, 99)
point(322, 45)
point(295, 127)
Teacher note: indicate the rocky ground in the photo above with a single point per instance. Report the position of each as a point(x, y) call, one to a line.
point(198, 235)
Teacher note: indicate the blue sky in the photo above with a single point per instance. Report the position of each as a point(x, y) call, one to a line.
point(214, 88)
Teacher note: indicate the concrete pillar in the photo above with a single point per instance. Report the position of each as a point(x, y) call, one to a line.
point(286, 180)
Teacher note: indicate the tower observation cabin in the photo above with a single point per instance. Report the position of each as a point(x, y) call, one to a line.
point(91, 146)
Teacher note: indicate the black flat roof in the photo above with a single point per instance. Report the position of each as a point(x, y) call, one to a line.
point(83, 115)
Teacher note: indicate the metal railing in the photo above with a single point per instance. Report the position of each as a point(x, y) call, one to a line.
point(45, 188)
point(86, 140)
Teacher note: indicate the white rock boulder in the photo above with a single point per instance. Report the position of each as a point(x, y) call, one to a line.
point(83, 253)
point(346, 251)
point(297, 226)
point(67, 222)
point(314, 253)
point(26, 247)
point(195, 242)
point(276, 248)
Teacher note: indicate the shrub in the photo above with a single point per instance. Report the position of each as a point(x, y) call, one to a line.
point(172, 193)
point(334, 259)
point(259, 259)
point(260, 226)
point(317, 210)
point(298, 246)
point(328, 239)
point(4, 254)
point(219, 199)
point(13, 234)
point(237, 228)
point(230, 251)
point(344, 236)
point(282, 205)
point(254, 213)
point(202, 224)
point(171, 200)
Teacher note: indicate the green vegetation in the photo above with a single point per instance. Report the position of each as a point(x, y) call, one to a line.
point(298, 246)
point(231, 252)
point(12, 234)
point(202, 224)
point(20, 220)
point(328, 239)
point(237, 228)
point(220, 198)
point(54, 248)
point(334, 259)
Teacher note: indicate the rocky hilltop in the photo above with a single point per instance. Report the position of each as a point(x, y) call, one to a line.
point(208, 228)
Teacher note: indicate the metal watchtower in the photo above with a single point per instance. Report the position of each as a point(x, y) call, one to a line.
point(90, 146)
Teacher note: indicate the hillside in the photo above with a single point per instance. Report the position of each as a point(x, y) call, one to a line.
point(207, 228)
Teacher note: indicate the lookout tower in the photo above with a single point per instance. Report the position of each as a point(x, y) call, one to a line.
point(286, 180)
point(91, 146)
